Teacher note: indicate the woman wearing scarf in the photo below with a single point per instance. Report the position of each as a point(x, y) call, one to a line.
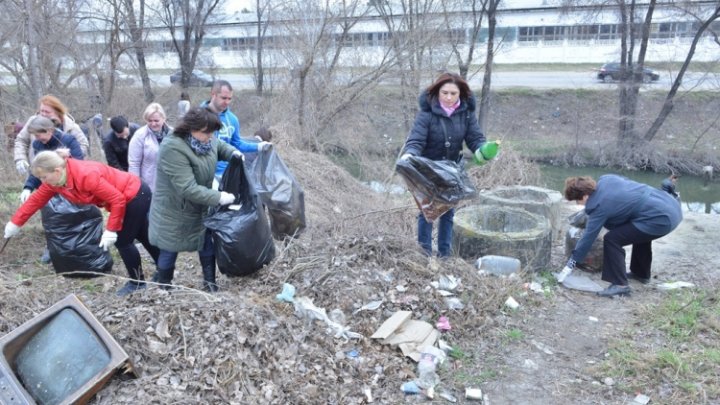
point(144, 146)
point(183, 193)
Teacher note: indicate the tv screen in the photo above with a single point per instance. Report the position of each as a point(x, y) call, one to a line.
point(62, 356)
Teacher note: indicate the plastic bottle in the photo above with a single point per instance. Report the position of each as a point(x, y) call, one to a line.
point(427, 377)
point(498, 265)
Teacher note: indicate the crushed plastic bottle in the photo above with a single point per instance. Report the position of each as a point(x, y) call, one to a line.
point(430, 357)
point(498, 265)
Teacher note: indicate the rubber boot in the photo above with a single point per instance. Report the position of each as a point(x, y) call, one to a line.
point(164, 276)
point(208, 269)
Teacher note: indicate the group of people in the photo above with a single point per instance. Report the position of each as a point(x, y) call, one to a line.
point(157, 184)
point(634, 213)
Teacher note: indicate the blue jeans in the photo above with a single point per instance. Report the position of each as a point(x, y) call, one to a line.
point(444, 234)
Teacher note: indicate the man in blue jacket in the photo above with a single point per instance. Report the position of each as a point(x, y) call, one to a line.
point(220, 98)
point(634, 213)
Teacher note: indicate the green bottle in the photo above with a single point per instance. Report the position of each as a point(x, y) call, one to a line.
point(486, 152)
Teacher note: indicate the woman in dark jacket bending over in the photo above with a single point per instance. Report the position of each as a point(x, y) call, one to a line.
point(634, 213)
point(445, 120)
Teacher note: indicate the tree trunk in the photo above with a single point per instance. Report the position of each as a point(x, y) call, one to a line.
point(484, 105)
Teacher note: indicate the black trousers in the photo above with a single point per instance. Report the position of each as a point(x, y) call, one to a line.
point(135, 226)
point(614, 253)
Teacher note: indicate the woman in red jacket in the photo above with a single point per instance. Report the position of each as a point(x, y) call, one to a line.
point(123, 194)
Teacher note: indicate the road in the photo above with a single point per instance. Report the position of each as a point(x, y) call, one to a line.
point(504, 80)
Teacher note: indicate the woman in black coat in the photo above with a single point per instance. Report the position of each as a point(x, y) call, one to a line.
point(445, 120)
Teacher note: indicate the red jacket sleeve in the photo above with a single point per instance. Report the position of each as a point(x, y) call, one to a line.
point(37, 200)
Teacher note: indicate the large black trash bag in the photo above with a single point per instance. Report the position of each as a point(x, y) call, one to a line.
point(73, 235)
point(242, 239)
point(281, 193)
point(436, 185)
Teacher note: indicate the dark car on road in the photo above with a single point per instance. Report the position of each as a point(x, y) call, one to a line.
point(198, 78)
point(614, 71)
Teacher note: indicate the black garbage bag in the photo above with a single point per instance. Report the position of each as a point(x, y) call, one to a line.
point(281, 193)
point(436, 185)
point(240, 231)
point(73, 234)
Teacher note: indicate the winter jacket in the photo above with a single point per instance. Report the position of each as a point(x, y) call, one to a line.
point(116, 149)
point(428, 135)
point(58, 140)
point(23, 140)
point(230, 133)
point(617, 201)
point(143, 154)
point(183, 194)
point(88, 182)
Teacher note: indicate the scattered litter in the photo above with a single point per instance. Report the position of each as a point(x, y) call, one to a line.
point(675, 285)
point(443, 324)
point(473, 393)
point(542, 347)
point(592, 319)
point(582, 283)
point(641, 399)
point(368, 394)
point(352, 354)
point(447, 396)
point(511, 303)
point(409, 335)
point(430, 357)
point(401, 288)
point(287, 294)
point(370, 306)
point(529, 364)
point(498, 265)
point(447, 283)
point(609, 381)
point(534, 286)
point(444, 346)
point(445, 293)
point(304, 308)
point(454, 303)
point(410, 388)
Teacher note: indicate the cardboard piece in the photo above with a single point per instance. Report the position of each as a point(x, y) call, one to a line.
point(409, 335)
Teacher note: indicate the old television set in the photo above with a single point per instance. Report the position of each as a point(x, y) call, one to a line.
point(62, 356)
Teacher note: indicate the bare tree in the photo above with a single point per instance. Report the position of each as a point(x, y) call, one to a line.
point(490, 48)
point(704, 22)
point(133, 18)
point(263, 10)
point(187, 21)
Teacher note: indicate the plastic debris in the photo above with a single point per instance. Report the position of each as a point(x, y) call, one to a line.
point(368, 394)
point(370, 306)
point(454, 303)
point(641, 399)
point(675, 285)
point(511, 303)
point(534, 286)
point(447, 396)
point(473, 393)
point(410, 388)
point(579, 282)
point(443, 324)
point(592, 319)
point(287, 294)
point(498, 265)
point(352, 354)
point(430, 357)
point(447, 283)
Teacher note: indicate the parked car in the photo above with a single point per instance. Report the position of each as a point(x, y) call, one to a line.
point(614, 71)
point(198, 78)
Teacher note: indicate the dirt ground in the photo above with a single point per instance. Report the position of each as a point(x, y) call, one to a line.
point(243, 346)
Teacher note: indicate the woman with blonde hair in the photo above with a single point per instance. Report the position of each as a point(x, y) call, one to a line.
point(144, 146)
point(52, 108)
point(124, 195)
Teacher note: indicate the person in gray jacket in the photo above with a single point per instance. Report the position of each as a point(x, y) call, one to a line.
point(183, 193)
point(634, 213)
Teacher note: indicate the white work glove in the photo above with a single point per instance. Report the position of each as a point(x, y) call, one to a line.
point(108, 239)
point(226, 198)
point(24, 195)
point(239, 154)
point(11, 230)
point(405, 156)
point(569, 267)
point(264, 146)
point(22, 167)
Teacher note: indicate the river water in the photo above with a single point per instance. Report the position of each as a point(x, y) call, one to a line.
point(696, 194)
